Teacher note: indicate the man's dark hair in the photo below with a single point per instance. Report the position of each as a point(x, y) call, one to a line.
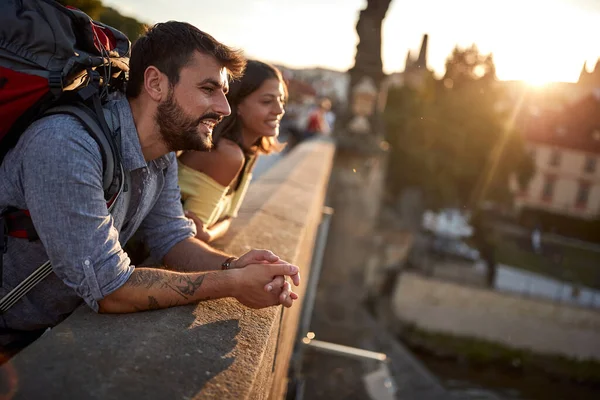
point(169, 46)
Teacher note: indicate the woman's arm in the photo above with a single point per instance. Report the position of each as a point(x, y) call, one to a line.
point(211, 234)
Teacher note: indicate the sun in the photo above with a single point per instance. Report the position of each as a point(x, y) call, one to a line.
point(538, 74)
point(544, 73)
point(537, 81)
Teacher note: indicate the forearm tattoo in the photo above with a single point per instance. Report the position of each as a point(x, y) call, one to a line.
point(184, 285)
point(153, 303)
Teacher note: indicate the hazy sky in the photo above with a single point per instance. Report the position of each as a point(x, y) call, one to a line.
point(535, 40)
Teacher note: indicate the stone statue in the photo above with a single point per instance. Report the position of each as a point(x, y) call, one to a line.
point(367, 72)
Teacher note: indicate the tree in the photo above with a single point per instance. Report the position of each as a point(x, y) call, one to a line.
point(93, 8)
point(449, 138)
point(129, 26)
point(97, 11)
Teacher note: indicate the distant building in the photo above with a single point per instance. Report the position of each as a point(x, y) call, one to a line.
point(300, 92)
point(415, 70)
point(565, 145)
point(326, 83)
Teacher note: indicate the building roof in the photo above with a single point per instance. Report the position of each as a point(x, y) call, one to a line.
point(576, 127)
point(298, 87)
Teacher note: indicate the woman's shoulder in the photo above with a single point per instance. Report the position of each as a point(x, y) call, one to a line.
point(223, 163)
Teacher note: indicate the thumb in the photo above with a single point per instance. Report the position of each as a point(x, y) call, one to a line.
point(283, 269)
point(265, 255)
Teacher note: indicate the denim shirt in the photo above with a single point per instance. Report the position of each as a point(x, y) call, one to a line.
point(55, 172)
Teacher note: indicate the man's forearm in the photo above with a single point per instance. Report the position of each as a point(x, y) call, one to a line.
point(193, 255)
point(150, 288)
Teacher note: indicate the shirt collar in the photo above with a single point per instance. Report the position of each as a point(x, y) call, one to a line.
point(131, 149)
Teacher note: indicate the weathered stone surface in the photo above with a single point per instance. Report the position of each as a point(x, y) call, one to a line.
point(214, 350)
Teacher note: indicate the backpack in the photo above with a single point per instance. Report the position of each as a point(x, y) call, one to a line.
point(57, 60)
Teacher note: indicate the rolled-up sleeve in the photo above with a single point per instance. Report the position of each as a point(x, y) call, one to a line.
point(62, 184)
point(166, 225)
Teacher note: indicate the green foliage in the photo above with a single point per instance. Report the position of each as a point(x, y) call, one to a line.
point(94, 8)
point(129, 26)
point(449, 138)
point(481, 353)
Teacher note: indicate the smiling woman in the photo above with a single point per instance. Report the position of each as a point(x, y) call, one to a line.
point(213, 184)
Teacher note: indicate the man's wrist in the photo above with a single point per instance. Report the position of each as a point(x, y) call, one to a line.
point(229, 263)
point(232, 281)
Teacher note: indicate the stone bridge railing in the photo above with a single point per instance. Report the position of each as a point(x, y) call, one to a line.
point(216, 349)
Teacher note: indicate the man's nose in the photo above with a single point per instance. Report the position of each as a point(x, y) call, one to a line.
point(221, 105)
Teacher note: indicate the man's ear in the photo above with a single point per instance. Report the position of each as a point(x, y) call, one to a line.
point(156, 84)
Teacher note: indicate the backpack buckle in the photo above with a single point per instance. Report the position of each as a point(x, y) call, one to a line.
point(55, 83)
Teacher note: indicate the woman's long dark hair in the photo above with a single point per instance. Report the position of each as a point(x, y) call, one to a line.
point(231, 127)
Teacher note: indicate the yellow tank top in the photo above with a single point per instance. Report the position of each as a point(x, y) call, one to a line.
point(208, 199)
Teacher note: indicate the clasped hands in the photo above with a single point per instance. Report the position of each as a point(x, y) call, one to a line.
point(263, 269)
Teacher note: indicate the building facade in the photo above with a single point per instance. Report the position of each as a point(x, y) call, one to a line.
point(565, 145)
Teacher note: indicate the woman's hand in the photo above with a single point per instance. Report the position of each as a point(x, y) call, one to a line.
point(201, 232)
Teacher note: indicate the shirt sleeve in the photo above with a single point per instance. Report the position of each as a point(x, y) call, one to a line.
point(166, 225)
point(202, 195)
point(62, 184)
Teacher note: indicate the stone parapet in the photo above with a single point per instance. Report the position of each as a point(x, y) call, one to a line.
point(213, 350)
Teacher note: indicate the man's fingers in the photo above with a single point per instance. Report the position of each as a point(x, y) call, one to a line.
point(285, 293)
point(283, 269)
point(293, 296)
point(296, 279)
point(277, 282)
point(264, 255)
point(284, 298)
point(288, 302)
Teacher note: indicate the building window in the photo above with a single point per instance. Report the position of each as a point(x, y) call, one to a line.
point(590, 165)
point(548, 189)
point(555, 158)
point(582, 195)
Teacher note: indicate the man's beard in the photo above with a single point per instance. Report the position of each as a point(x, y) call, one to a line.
point(178, 130)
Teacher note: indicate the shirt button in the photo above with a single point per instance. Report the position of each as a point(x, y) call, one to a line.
point(87, 263)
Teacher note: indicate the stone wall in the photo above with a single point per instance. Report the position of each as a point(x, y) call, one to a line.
point(215, 350)
point(514, 321)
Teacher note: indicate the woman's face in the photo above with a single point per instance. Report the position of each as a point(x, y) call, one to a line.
point(261, 111)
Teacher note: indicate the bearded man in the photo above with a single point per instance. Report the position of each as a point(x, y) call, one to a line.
point(175, 96)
